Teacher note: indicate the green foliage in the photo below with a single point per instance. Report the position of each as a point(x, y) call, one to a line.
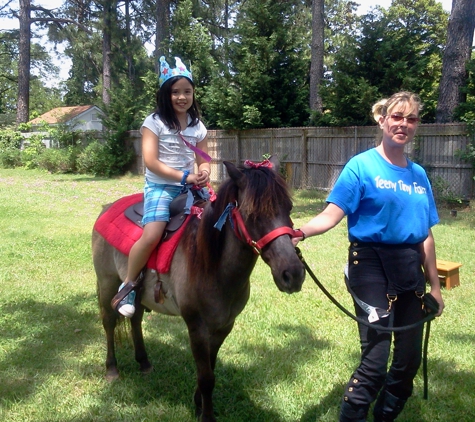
point(150, 83)
point(8, 70)
point(122, 115)
point(61, 158)
point(222, 104)
point(58, 160)
point(42, 98)
point(192, 42)
point(127, 109)
point(266, 85)
point(10, 138)
point(465, 112)
point(250, 60)
point(396, 49)
point(33, 148)
point(10, 142)
point(442, 191)
point(10, 158)
point(95, 160)
point(468, 154)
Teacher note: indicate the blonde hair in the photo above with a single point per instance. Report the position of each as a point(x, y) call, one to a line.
point(384, 107)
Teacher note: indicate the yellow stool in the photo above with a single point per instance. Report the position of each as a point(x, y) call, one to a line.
point(448, 273)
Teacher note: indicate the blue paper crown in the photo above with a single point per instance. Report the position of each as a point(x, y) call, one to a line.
point(166, 72)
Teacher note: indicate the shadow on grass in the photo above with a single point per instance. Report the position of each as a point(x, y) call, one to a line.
point(85, 178)
point(173, 379)
point(42, 334)
point(444, 402)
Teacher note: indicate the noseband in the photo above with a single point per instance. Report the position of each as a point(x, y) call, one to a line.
point(240, 230)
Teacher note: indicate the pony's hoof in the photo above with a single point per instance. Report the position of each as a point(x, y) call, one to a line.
point(203, 418)
point(146, 368)
point(208, 419)
point(112, 375)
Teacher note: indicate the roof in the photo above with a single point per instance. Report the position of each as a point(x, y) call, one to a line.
point(61, 114)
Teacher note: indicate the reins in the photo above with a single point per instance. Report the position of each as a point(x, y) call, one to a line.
point(427, 319)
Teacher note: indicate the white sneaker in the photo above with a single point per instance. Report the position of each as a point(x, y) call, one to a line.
point(126, 305)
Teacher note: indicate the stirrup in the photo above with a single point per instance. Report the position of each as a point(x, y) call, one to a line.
point(131, 285)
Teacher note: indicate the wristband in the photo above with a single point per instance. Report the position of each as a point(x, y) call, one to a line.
point(185, 175)
point(304, 236)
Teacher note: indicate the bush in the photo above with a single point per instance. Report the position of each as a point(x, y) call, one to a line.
point(10, 139)
point(10, 158)
point(32, 150)
point(94, 159)
point(58, 160)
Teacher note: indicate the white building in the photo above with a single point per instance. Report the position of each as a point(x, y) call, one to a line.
point(81, 118)
point(77, 118)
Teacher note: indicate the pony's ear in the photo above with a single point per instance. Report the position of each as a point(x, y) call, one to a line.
point(275, 163)
point(235, 174)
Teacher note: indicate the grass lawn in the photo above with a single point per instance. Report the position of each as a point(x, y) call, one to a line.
point(287, 359)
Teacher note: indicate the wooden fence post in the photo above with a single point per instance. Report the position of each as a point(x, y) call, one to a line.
point(304, 151)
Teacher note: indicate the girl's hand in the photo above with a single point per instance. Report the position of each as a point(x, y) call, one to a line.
point(192, 179)
point(202, 178)
point(199, 179)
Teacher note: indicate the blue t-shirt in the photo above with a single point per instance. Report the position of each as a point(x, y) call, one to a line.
point(385, 203)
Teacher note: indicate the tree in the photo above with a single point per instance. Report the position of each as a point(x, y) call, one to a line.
point(42, 16)
point(456, 55)
point(24, 63)
point(42, 98)
point(397, 49)
point(162, 28)
point(267, 85)
point(8, 71)
point(317, 55)
point(109, 7)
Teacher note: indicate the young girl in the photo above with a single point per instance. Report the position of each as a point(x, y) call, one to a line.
point(169, 160)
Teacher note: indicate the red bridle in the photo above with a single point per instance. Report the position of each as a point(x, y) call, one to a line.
point(242, 233)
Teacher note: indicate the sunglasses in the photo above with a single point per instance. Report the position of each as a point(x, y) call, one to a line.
point(399, 118)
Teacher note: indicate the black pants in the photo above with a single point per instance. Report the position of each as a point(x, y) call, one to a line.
point(368, 278)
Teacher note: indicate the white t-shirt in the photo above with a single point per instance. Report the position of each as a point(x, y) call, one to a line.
point(172, 151)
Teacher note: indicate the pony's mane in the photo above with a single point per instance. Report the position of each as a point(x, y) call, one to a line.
point(265, 193)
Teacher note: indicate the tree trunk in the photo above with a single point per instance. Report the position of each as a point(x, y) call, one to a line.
point(106, 52)
point(317, 53)
point(457, 53)
point(130, 66)
point(162, 29)
point(23, 102)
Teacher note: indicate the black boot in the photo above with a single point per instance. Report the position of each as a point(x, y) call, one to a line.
point(350, 413)
point(387, 407)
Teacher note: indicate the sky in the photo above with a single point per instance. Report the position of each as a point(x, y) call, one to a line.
point(64, 63)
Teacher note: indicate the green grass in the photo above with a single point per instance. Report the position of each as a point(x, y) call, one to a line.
point(287, 359)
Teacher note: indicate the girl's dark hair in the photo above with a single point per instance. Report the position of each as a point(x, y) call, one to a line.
point(165, 110)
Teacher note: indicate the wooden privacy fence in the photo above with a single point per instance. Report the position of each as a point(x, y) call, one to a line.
point(312, 157)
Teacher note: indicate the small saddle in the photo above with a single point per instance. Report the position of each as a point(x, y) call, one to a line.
point(178, 210)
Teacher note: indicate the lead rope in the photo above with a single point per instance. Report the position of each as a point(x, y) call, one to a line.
point(429, 317)
point(424, 360)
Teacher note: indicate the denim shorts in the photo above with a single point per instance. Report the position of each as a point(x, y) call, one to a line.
point(157, 199)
